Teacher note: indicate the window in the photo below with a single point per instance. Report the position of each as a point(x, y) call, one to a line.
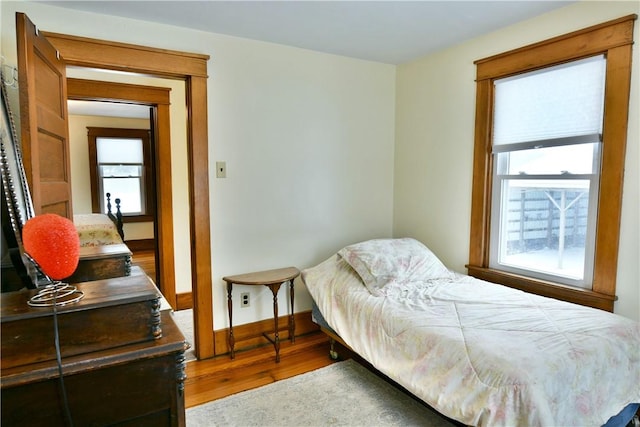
point(551, 122)
point(547, 132)
point(121, 165)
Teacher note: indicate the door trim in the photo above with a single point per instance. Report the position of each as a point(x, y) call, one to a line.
point(192, 68)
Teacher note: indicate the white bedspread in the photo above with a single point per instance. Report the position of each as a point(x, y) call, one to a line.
point(485, 354)
point(96, 230)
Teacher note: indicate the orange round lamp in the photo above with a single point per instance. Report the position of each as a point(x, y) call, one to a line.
point(52, 241)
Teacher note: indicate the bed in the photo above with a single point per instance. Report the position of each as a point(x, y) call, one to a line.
point(100, 229)
point(103, 253)
point(477, 352)
point(96, 230)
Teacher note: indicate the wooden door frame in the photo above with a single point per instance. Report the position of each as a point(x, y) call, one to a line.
point(157, 97)
point(192, 69)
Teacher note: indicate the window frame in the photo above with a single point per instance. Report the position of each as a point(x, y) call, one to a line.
point(93, 133)
point(613, 39)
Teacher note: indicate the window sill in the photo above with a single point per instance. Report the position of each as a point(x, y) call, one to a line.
point(547, 289)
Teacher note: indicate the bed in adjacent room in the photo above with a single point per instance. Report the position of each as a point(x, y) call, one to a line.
point(478, 352)
point(96, 229)
point(103, 253)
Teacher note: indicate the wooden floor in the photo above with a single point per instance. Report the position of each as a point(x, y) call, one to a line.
point(218, 377)
point(145, 260)
point(212, 379)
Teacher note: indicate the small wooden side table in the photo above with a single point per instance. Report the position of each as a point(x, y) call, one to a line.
point(273, 279)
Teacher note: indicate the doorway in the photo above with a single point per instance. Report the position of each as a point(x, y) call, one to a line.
point(192, 69)
point(157, 99)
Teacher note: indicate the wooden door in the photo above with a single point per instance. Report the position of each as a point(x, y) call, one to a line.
point(43, 116)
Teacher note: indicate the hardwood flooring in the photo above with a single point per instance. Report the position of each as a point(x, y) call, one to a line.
point(145, 259)
point(218, 377)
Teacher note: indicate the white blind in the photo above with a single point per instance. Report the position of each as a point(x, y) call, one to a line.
point(556, 102)
point(119, 150)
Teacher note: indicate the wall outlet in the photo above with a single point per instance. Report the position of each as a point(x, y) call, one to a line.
point(245, 299)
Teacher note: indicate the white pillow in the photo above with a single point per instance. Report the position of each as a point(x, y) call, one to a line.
point(381, 261)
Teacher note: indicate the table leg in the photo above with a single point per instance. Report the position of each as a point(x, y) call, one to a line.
point(276, 339)
point(292, 321)
point(232, 341)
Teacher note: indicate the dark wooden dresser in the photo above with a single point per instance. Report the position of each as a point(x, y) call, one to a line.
point(122, 359)
point(102, 262)
point(95, 263)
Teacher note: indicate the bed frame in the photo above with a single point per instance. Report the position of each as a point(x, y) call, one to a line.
point(333, 339)
point(117, 218)
point(318, 319)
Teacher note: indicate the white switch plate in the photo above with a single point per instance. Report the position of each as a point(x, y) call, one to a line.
point(221, 169)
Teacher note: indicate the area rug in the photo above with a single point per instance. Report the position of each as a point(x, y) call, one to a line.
point(341, 394)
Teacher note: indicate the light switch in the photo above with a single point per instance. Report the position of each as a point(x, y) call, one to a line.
point(221, 169)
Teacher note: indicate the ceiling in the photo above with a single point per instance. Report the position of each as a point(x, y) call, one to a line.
point(107, 109)
point(390, 32)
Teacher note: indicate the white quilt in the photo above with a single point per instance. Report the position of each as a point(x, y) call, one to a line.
point(485, 354)
point(96, 230)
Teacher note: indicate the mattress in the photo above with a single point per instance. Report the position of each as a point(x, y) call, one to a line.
point(96, 230)
point(481, 353)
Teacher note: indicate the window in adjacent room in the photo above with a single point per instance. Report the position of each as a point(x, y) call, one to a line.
point(551, 122)
point(121, 164)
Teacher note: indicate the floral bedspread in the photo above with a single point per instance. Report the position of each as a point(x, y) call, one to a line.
point(96, 230)
point(485, 354)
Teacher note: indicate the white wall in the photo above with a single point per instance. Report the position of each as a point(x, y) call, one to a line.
point(434, 142)
point(80, 170)
point(308, 140)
